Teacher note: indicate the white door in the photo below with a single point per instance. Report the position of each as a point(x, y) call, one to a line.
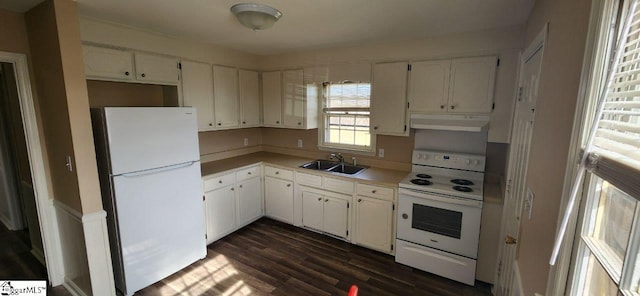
point(225, 96)
point(278, 195)
point(293, 95)
point(312, 211)
point(221, 212)
point(472, 83)
point(144, 138)
point(156, 69)
point(272, 98)
point(515, 191)
point(336, 215)
point(249, 201)
point(374, 219)
point(429, 86)
point(389, 99)
point(249, 98)
point(197, 92)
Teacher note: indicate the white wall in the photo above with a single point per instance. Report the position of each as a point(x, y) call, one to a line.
point(122, 36)
point(505, 43)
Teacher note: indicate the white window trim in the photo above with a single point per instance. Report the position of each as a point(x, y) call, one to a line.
point(334, 147)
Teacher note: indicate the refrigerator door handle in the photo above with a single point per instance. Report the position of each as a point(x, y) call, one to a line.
point(159, 170)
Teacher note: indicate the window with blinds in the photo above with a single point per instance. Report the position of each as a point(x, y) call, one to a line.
point(346, 116)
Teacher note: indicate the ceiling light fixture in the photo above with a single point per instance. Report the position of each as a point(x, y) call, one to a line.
point(256, 16)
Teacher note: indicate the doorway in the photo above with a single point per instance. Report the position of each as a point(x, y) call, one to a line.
point(22, 246)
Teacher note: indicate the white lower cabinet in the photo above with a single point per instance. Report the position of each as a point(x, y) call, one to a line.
point(373, 226)
point(220, 212)
point(278, 199)
point(248, 201)
point(325, 211)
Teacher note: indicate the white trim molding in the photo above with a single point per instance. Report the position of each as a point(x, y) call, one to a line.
point(98, 253)
point(46, 214)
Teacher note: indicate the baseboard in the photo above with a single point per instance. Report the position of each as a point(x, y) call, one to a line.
point(73, 288)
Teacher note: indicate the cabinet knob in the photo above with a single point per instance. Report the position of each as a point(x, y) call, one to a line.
point(453, 107)
point(374, 191)
point(277, 173)
point(143, 75)
point(126, 73)
point(375, 127)
point(319, 198)
point(244, 122)
point(326, 200)
point(240, 186)
point(220, 181)
point(249, 173)
point(441, 106)
point(277, 122)
point(359, 199)
point(233, 189)
point(219, 123)
point(288, 185)
point(405, 216)
point(299, 123)
point(210, 124)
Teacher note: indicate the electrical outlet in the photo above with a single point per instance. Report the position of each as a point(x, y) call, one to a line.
point(246, 141)
point(380, 152)
point(528, 203)
point(299, 143)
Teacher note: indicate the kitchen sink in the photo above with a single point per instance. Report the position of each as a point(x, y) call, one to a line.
point(347, 169)
point(333, 167)
point(320, 165)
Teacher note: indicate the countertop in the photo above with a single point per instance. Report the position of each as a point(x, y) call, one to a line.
point(370, 175)
point(492, 190)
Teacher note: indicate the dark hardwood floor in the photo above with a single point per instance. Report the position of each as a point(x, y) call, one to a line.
point(273, 258)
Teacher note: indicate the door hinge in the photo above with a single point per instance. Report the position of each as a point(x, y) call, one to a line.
point(347, 232)
point(405, 127)
point(520, 93)
point(347, 205)
point(206, 236)
point(391, 247)
point(498, 63)
point(179, 65)
point(493, 106)
point(408, 104)
point(393, 207)
point(203, 197)
point(409, 67)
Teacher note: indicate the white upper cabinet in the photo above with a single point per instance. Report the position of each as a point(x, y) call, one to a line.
point(389, 99)
point(272, 98)
point(225, 94)
point(197, 91)
point(107, 64)
point(156, 69)
point(293, 98)
point(462, 85)
point(429, 86)
point(249, 98)
point(472, 83)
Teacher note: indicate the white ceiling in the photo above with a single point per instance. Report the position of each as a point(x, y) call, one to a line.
point(308, 24)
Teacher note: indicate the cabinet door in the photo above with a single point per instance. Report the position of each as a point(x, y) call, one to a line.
point(389, 99)
point(249, 98)
point(293, 95)
point(107, 63)
point(278, 195)
point(472, 83)
point(225, 94)
point(221, 209)
point(249, 201)
point(312, 213)
point(197, 91)
point(373, 223)
point(429, 86)
point(156, 69)
point(336, 213)
point(272, 98)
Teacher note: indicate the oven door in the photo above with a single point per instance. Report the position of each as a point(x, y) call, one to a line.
point(443, 222)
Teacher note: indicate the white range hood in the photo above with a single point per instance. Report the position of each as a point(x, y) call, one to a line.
point(462, 123)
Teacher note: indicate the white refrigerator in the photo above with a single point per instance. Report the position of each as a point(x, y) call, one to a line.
point(149, 165)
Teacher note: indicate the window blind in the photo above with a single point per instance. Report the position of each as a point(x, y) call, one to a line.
point(615, 154)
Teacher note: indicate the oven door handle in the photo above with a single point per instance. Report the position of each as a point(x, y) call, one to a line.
point(448, 199)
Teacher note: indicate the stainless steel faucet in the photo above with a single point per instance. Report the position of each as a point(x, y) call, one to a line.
point(337, 156)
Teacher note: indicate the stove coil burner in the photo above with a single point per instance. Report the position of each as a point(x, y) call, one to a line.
point(462, 188)
point(423, 176)
point(462, 182)
point(421, 182)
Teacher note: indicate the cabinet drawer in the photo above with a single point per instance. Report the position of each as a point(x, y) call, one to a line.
point(337, 185)
point(375, 191)
point(218, 182)
point(308, 179)
point(248, 173)
point(278, 173)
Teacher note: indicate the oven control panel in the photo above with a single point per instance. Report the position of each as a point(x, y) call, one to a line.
point(460, 161)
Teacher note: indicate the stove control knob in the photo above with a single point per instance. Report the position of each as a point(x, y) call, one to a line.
point(476, 162)
point(468, 161)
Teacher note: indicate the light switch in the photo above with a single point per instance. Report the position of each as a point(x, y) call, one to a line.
point(299, 143)
point(380, 152)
